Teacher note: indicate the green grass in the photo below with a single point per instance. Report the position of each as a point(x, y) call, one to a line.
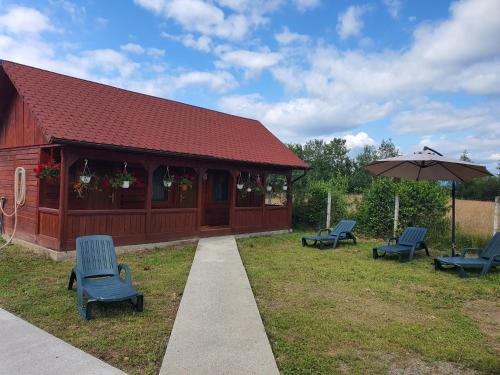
point(339, 311)
point(35, 289)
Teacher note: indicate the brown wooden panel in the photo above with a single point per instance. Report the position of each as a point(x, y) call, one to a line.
point(27, 158)
point(276, 217)
point(170, 223)
point(248, 218)
point(18, 127)
point(121, 225)
point(49, 224)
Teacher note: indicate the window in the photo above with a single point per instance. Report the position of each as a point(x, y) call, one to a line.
point(221, 189)
point(276, 190)
point(174, 187)
point(104, 190)
point(250, 190)
point(160, 193)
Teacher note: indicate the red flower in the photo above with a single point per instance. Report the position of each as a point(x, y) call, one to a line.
point(77, 185)
point(106, 184)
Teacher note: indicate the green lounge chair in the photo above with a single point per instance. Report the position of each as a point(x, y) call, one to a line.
point(486, 259)
point(97, 275)
point(410, 241)
point(343, 231)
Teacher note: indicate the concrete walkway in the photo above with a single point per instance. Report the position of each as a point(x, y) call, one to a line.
point(28, 350)
point(218, 329)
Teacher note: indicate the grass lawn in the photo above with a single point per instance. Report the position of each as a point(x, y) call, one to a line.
point(340, 311)
point(35, 289)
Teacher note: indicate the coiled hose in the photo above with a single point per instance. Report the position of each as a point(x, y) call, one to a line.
point(19, 200)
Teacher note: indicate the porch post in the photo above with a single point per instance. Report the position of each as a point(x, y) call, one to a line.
point(232, 197)
point(150, 168)
point(66, 161)
point(289, 198)
point(199, 198)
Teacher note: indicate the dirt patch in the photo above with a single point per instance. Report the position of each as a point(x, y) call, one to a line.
point(416, 366)
point(486, 313)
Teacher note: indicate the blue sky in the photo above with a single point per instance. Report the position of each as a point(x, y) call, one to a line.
point(420, 72)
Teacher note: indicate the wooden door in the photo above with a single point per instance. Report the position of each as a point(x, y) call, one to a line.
point(216, 198)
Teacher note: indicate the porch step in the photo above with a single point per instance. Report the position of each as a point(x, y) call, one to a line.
point(208, 231)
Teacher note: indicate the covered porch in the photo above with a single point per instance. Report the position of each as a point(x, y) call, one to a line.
point(170, 197)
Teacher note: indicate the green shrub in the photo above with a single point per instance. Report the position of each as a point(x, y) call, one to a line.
point(421, 203)
point(309, 205)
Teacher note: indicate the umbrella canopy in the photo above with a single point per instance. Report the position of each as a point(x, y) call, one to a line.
point(427, 165)
point(430, 165)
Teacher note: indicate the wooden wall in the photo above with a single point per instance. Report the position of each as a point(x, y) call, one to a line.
point(26, 157)
point(18, 127)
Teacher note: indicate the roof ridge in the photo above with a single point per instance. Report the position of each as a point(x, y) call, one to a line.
point(2, 61)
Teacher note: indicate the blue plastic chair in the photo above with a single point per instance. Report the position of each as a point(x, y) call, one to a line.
point(486, 259)
point(97, 276)
point(343, 231)
point(405, 247)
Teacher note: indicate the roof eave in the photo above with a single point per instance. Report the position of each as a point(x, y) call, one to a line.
point(172, 153)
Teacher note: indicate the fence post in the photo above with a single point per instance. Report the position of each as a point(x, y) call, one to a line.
point(328, 209)
point(496, 215)
point(396, 214)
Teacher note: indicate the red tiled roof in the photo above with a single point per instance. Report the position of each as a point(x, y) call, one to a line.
point(72, 109)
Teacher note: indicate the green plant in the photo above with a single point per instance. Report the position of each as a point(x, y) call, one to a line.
point(80, 187)
point(120, 178)
point(422, 203)
point(309, 205)
point(50, 169)
point(184, 181)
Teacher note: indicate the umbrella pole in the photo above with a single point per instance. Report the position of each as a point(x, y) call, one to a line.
point(453, 238)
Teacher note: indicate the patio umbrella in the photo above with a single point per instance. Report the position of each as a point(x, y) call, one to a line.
point(430, 165)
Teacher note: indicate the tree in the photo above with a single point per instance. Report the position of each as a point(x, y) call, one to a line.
point(465, 156)
point(387, 149)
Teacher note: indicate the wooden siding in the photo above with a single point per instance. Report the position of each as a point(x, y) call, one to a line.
point(18, 127)
point(26, 157)
point(172, 223)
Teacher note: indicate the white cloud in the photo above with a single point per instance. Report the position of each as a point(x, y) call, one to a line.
point(217, 81)
point(200, 16)
point(228, 19)
point(252, 62)
point(358, 140)
point(202, 43)
point(132, 48)
point(444, 117)
point(470, 35)
point(305, 117)
point(393, 7)
point(155, 52)
point(76, 12)
point(350, 22)
point(287, 37)
point(304, 5)
point(20, 19)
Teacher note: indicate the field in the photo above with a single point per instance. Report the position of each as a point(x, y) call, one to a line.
point(475, 216)
point(35, 289)
point(341, 312)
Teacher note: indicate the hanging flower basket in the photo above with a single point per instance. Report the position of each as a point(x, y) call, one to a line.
point(269, 188)
point(239, 186)
point(285, 187)
point(123, 180)
point(49, 171)
point(185, 183)
point(167, 179)
point(86, 175)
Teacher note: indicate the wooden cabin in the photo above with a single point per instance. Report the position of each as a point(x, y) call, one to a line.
point(191, 171)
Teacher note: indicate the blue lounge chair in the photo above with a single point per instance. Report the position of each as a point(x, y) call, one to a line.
point(410, 241)
point(343, 231)
point(486, 259)
point(97, 275)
